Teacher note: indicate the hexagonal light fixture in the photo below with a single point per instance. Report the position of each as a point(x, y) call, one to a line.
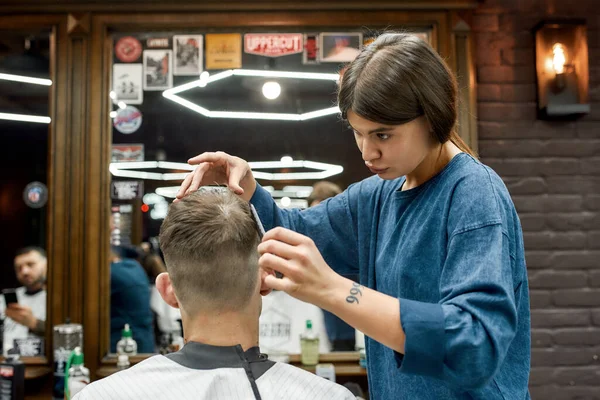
point(132, 170)
point(171, 94)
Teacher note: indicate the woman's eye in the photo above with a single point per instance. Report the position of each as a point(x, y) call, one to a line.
point(383, 136)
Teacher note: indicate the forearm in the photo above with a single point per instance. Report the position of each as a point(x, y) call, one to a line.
point(39, 328)
point(375, 314)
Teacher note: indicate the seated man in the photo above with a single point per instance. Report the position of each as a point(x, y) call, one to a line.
point(27, 317)
point(209, 240)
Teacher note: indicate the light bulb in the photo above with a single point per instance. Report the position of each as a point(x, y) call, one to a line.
point(271, 90)
point(559, 58)
point(286, 201)
point(286, 159)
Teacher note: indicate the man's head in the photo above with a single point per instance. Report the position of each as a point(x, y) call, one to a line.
point(31, 267)
point(321, 191)
point(209, 241)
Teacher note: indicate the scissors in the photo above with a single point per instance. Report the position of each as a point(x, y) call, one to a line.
point(261, 231)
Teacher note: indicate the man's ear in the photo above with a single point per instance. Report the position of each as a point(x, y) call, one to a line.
point(264, 289)
point(165, 288)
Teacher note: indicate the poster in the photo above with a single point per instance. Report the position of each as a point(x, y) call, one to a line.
point(127, 83)
point(273, 44)
point(340, 47)
point(127, 152)
point(188, 55)
point(158, 69)
point(223, 50)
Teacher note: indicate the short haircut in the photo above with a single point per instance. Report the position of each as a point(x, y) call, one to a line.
point(29, 249)
point(209, 240)
point(322, 191)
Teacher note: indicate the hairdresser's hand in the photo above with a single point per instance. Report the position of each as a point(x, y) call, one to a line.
point(306, 275)
point(21, 315)
point(219, 169)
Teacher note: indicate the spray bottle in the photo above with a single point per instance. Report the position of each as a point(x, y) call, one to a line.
point(127, 345)
point(77, 376)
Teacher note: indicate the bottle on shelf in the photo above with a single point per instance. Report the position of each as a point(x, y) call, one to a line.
point(127, 345)
point(78, 376)
point(309, 345)
point(122, 362)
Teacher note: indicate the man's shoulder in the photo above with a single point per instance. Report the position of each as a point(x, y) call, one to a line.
point(296, 383)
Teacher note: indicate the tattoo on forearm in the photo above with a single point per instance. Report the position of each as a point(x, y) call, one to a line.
point(355, 293)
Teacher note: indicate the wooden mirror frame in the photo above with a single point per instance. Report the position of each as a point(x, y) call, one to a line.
point(94, 304)
point(64, 182)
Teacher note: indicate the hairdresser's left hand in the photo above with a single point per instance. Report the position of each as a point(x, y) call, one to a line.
point(306, 275)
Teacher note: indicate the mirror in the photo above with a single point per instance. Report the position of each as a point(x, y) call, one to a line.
point(24, 99)
point(267, 98)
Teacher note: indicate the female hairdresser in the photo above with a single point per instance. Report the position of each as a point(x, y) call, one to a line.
point(434, 237)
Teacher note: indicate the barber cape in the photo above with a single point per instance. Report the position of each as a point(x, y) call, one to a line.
point(13, 330)
point(200, 371)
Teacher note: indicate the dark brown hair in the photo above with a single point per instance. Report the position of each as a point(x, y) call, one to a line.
point(209, 241)
point(398, 78)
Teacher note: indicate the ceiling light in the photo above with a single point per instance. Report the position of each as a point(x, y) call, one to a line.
point(286, 201)
point(113, 114)
point(171, 94)
point(26, 79)
point(122, 105)
point(271, 90)
point(128, 170)
point(25, 118)
point(286, 159)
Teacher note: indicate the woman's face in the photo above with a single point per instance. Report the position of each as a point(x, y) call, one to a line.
point(392, 151)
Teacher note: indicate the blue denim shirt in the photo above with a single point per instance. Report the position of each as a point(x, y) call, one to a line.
point(451, 250)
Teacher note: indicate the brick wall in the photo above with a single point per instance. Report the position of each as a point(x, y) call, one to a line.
point(552, 170)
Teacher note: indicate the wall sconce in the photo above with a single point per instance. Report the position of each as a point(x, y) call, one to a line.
point(562, 69)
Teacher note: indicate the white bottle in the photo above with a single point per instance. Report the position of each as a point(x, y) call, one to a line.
point(122, 362)
point(127, 345)
point(78, 376)
point(309, 345)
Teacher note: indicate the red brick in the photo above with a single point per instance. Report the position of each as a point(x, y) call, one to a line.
point(555, 392)
point(592, 202)
point(594, 239)
point(564, 356)
point(506, 111)
point(517, 22)
point(576, 297)
point(572, 221)
point(588, 129)
point(554, 280)
point(571, 148)
point(533, 222)
point(517, 57)
point(596, 317)
point(577, 336)
point(538, 376)
point(573, 184)
point(586, 259)
point(485, 23)
point(488, 92)
point(511, 148)
point(595, 278)
point(545, 203)
point(526, 130)
point(523, 93)
point(560, 318)
point(531, 185)
point(576, 376)
point(590, 165)
point(539, 299)
point(541, 338)
point(506, 74)
point(554, 240)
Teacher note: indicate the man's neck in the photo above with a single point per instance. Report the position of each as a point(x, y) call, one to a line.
point(222, 329)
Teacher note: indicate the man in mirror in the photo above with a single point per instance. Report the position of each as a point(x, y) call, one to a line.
point(209, 240)
point(27, 316)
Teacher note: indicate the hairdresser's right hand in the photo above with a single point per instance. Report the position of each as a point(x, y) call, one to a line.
point(219, 169)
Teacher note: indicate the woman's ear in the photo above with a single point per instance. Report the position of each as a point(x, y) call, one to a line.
point(165, 288)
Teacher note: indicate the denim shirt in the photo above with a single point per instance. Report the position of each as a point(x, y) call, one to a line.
point(451, 250)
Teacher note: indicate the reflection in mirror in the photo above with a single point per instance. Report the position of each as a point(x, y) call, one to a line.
point(24, 91)
point(267, 98)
